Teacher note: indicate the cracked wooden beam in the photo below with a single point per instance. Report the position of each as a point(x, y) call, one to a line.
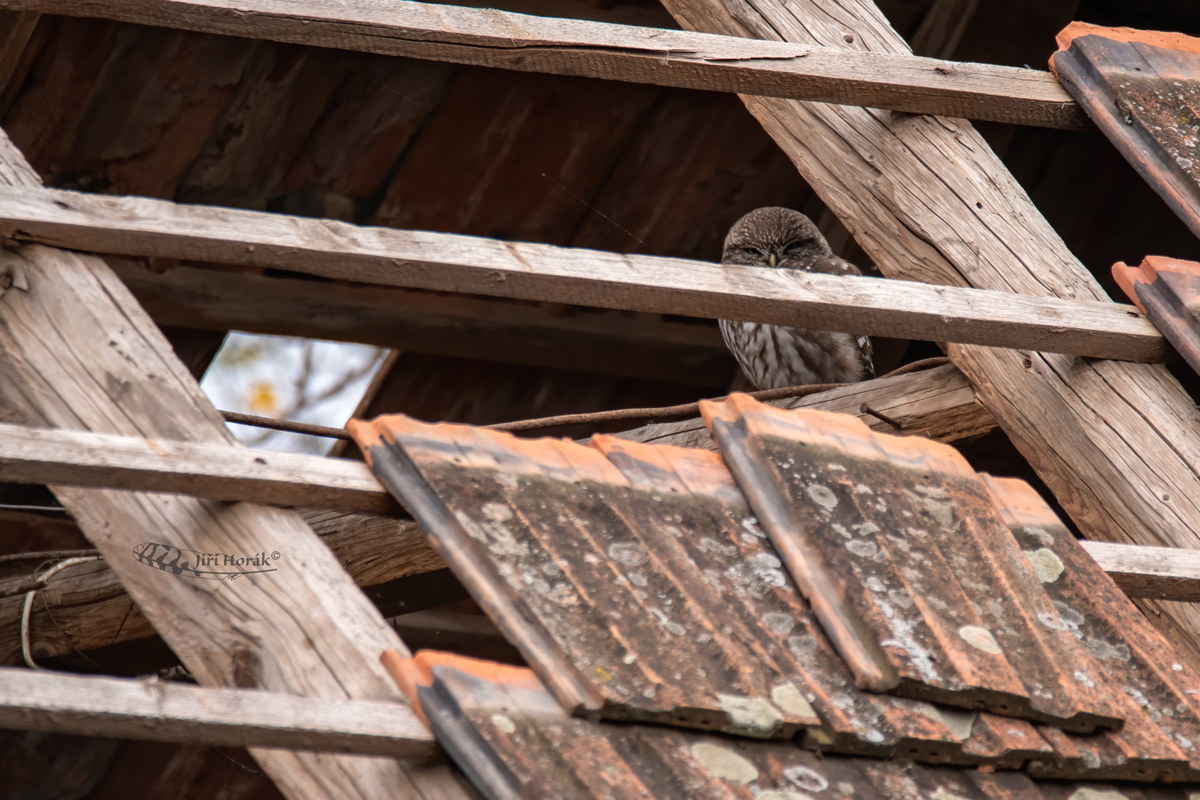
point(927, 199)
point(135, 226)
point(492, 38)
point(78, 353)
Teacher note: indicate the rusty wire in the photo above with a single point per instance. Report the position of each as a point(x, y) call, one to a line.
point(591, 418)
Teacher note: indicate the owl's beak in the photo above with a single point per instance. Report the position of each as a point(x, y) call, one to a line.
point(771, 258)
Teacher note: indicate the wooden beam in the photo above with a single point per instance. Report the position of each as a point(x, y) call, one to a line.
point(1117, 443)
point(448, 262)
point(85, 609)
point(491, 38)
point(77, 352)
point(216, 471)
point(938, 403)
point(1157, 573)
point(164, 711)
point(608, 343)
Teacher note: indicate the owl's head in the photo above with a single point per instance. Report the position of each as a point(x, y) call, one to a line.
point(774, 237)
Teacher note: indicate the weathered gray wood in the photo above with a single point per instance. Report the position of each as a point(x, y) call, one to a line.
point(216, 471)
point(492, 38)
point(163, 711)
point(84, 607)
point(77, 352)
point(433, 324)
point(938, 403)
point(1159, 573)
point(426, 260)
point(1118, 444)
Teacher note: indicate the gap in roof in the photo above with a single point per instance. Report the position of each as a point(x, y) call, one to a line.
point(284, 377)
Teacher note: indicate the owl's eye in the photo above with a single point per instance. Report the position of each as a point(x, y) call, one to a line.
point(795, 247)
point(753, 252)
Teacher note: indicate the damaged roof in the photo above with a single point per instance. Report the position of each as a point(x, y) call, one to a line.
point(813, 581)
point(507, 733)
point(1142, 89)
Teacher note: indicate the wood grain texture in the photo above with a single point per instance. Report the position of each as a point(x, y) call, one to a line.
point(426, 260)
point(1158, 573)
point(216, 471)
point(84, 607)
point(77, 352)
point(938, 403)
point(491, 38)
point(163, 711)
point(610, 343)
point(1118, 444)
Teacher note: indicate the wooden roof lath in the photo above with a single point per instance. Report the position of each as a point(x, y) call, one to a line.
point(1118, 442)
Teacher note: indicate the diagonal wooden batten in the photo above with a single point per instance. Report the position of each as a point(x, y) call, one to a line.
point(77, 352)
point(492, 38)
point(162, 711)
point(1118, 444)
point(448, 262)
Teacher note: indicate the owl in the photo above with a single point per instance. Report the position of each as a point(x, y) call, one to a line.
point(777, 356)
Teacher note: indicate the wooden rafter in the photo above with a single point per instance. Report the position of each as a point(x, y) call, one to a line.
point(84, 608)
point(77, 352)
point(616, 52)
point(1117, 443)
point(441, 261)
point(162, 711)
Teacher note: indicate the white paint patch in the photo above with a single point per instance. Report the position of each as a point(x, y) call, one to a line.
point(724, 763)
point(806, 778)
point(790, 700)
point(1046, 564)
point(752, 716)
point(980, 639)
point(823, 496)
point(504, 723)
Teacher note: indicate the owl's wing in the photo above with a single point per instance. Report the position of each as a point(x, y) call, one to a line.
point(866, 357)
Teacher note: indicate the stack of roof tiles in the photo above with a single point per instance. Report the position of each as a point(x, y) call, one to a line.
point(816, 611)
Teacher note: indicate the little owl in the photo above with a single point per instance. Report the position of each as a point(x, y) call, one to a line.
point(776, 356)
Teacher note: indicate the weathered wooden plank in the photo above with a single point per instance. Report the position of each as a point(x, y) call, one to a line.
point(217, 471)
point(938, 403)
point(163, 711)
point(491, 38)
point(1118, 444)
point(84, 607)
point(426, 260)
point(433, 324)
point(1159, 573)
point(77, 352)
